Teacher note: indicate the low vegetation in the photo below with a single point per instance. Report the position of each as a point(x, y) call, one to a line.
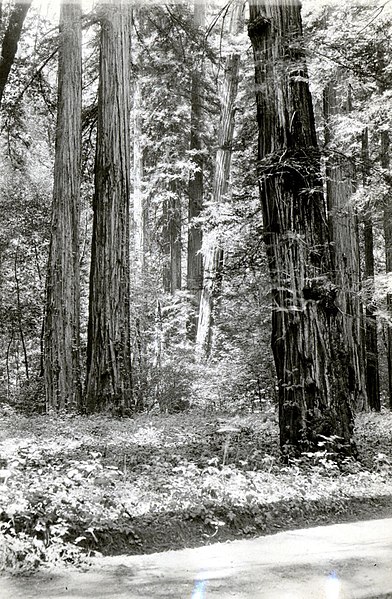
point(76, 486)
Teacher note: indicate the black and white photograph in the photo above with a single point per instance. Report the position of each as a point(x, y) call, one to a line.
point(196, 299)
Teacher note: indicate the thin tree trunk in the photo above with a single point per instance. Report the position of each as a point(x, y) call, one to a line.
point(171, 235)
point(19, 312)
point(7, 362)
point(343, 225)
point(307, 341)
point(385, 163)
point(109, 382)
point(213, 261)
point(196, 187)
point(61, 329)
point(10, 41)
point(372, 370)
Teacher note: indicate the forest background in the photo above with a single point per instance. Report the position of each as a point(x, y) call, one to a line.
point(184, 272)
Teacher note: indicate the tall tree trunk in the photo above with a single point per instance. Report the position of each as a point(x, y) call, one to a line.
point(372, 370)
point(343, 225)
point(61, 329)
point(385, 163)
point(195, 187)
point(11, 40)
point(213, 261)
point(307, 342)
point(138, 203)
point(108, 348)
point(137, 196)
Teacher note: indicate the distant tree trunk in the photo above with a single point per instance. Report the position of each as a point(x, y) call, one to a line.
point(343, 226)
point(19, 317)
point(195, 187)
point(61, 328)
point(372, 370)
point(307, 341)
point(108, 348)
point(10, 41)
point(171, 235)
point(138, 196)
point(385, 163)
point(138, 204)
point(213, 260)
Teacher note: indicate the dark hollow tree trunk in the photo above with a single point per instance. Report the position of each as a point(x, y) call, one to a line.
point(372, 369)
point(307, 342)
point(61, 328)
point(343, 223)
point(108, 349)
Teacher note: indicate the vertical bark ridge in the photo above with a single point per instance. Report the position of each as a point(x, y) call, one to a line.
point(109, 384)
point(61, 337)
point(306, 324)
point(343, 224)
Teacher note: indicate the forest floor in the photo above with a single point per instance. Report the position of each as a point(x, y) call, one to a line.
point(154, 483)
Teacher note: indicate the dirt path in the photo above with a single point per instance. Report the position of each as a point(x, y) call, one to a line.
point(342, 561)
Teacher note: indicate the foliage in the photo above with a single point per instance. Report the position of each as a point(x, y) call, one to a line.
point(80, 485)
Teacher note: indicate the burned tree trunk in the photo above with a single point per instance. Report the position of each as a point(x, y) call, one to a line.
point(307, 342)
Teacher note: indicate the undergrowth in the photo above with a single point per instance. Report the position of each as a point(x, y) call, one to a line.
point(74, 486)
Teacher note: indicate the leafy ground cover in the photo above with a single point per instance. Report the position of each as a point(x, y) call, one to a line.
point(76, 485)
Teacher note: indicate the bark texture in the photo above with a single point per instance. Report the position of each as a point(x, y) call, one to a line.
point(385, 163)
point(213, 253)
point(307, 342)
point(343, 224)
point(196, 187)
point(11, 40)
point(108, 383)
point(372, 369)
point(61, 338)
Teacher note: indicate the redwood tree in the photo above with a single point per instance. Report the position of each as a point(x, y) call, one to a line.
point(61, 338)
point(387, 221)
point(108, 348)
point(196, 187)
point(306, 324)
point(372, 369)
point(343, 223)
point(213, 252)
